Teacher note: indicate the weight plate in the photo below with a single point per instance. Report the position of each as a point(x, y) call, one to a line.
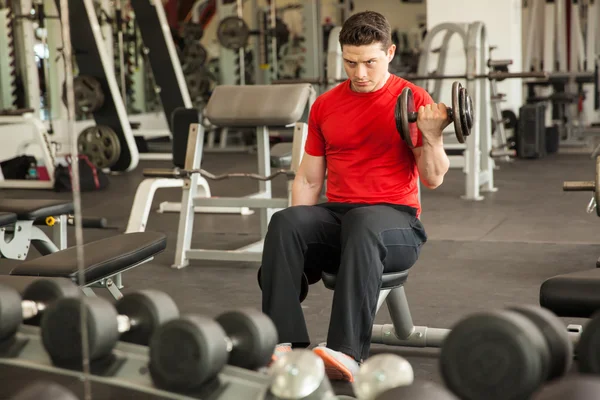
point(405, 105)
point(198, 83)
point(88, 94)
point(192, 31)
point(493, 355)
point(588, 348)
point(187, 352)
point(233, 33)
point(466, 112)
point(47, 291)
point(194, 55)
point(456, 111)
point(61, 329)
point(418, 390)
point(11, 312)
point(254, 336)
point(559, 345)
point(597, 191)
point(101, 145)
point(149, 309)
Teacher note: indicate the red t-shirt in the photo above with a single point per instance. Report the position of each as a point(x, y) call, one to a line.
point(367, 161)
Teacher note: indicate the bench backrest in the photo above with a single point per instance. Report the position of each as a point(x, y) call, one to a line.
point(258, 105)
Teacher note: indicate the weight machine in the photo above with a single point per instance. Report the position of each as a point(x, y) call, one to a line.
point(475, 159)
point(283, 106)
point(546, 50)
point(24, 120)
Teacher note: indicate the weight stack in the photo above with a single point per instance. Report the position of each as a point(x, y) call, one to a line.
point(531, 140)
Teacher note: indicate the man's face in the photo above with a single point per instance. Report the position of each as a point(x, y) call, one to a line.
point(367, 66)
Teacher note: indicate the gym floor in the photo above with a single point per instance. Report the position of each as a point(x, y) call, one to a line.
point(480, 255)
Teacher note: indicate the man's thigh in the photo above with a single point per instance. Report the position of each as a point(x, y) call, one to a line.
point(400, 232)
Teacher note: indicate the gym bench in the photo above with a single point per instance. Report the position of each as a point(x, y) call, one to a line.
point(237, 106)
point(104, 260)
point(18, 230)
point(572, 295)
point(402, 331)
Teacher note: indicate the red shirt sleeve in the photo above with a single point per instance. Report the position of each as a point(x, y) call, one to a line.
point(421, 98)
point(315, 142)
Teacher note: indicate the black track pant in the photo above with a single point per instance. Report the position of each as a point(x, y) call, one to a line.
point(359, 243)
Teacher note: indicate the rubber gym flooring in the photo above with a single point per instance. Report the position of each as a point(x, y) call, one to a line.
point(480, 255)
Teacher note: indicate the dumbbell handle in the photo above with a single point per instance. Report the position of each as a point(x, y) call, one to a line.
point(31, 308)
point(124, 323)
point(412, 116)
point(579, 186)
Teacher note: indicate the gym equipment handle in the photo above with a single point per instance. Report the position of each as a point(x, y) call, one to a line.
point(579, 186)
point(412, 116)
point(182, 173)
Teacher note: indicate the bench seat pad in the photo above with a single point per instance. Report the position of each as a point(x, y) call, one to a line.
point(103, 258)
point(32, 209)
point(575, 294)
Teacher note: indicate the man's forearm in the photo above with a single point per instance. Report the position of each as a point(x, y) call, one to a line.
point(433, 164)
point(303, 193)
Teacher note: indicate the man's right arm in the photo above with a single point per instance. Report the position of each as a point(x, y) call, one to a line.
point(308, 183)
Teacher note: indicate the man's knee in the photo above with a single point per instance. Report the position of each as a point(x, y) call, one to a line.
point(289, 218)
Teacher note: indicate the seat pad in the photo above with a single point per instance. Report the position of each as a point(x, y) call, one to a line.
point(576, 294)
point(389, 281)
point(103, 258)
point(7, 218)
point(32, 209)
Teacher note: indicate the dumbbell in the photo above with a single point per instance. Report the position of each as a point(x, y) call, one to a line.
point(505, 354)
point(309, 277)
point(576, 387)
point(461, 114)
point(418, 390)
point(588, 347)
point(44, 390)
point(188, 352)
point(134, 319)
point(16, 309)
point(380, 373)
point(299, 375)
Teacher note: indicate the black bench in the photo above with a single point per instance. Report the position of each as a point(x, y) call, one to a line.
point(19, 232)
point(575, 294)
point(103, 260)
point(402, 331)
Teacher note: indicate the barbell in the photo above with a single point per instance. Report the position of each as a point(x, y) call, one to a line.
point(178, 173)
point(587, 186)
point(461, 114)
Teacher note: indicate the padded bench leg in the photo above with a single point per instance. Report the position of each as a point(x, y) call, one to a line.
point(402, 331)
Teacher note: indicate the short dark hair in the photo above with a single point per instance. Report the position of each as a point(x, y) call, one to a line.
point(365, 28)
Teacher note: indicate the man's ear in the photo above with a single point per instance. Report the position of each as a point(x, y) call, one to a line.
point(391, 52)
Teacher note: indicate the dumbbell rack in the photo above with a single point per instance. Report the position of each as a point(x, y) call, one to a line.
point(130, 377)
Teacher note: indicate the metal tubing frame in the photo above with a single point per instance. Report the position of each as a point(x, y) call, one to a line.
point(262, 200)
point(402, 331)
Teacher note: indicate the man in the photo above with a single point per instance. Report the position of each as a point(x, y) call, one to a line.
point(370, 224)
